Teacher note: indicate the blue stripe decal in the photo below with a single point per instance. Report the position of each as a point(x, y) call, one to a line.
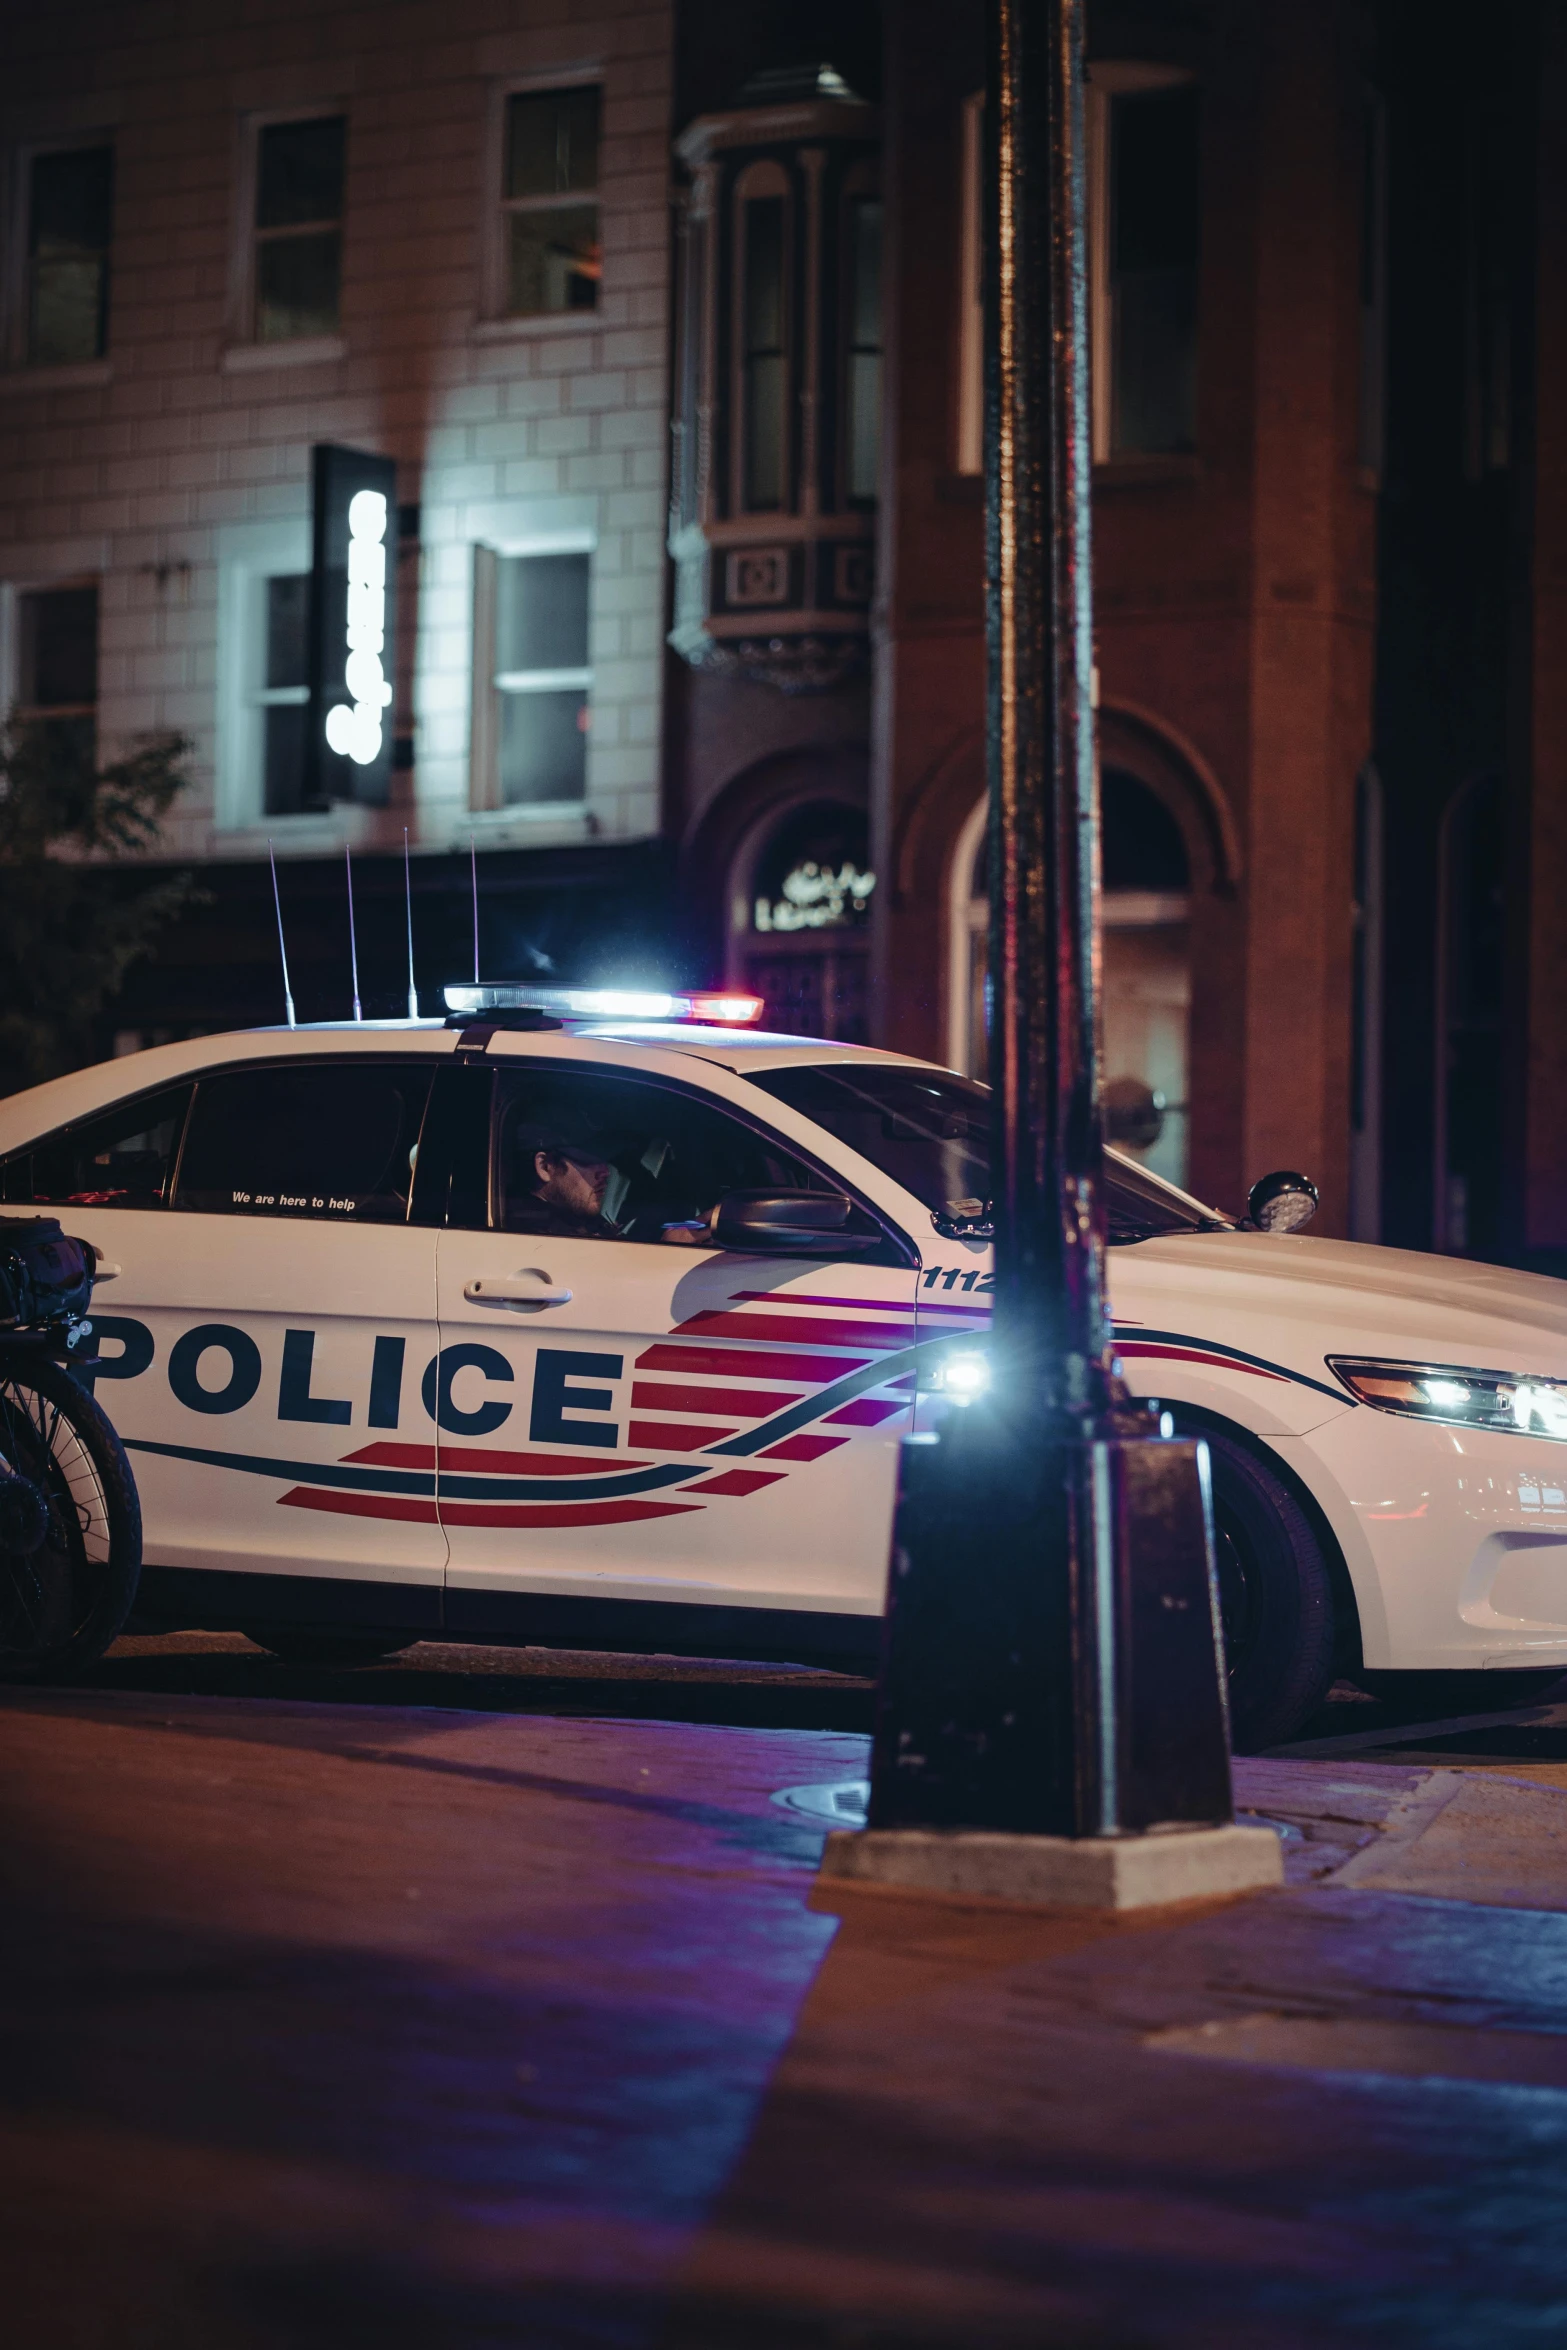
point(1214, 1346)
point(454, 1488)
point(827, 1399)
point(422, 1482)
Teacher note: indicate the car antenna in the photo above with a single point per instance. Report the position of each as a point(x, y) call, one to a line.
point(473, 867)
point(288, 1000)
point(408, 902)
point(353, 943)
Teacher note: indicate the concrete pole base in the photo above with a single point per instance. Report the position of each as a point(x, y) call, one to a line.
point(1059, 1872)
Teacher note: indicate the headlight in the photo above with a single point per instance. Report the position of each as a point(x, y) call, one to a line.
point(961, 1375)
point(1464, 1399)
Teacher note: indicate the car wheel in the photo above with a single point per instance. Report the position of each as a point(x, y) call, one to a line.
point(306, 1645)
point(1275, 1598)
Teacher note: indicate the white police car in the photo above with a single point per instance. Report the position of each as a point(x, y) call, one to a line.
point(602, 1331)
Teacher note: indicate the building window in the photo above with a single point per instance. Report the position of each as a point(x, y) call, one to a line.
point(532, 714)
point(863, 436)
point(549, 202)
point(971, 318)
point(69, 221)
point(283, 692)
point(1143, 164)
point(1143, 204)
point(299, 228)
point(762, 260)
point(1373, 284)
point(58, 663)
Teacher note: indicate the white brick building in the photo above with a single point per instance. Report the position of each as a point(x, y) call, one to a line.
point(436, 231)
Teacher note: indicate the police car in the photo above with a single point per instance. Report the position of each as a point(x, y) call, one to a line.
point(597, 1322)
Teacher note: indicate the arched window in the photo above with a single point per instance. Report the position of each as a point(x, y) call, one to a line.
point(1146, 969)
point(804, 948)
point(763, 271)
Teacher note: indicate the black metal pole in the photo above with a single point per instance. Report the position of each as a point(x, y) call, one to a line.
point(1050, 1306)
point(1052, 1661)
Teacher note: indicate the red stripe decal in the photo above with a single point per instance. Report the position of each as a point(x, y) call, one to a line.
point(815, 1333)
point(738, 1481)
point(803, 1448)
point(676, 1435)
point(564, 1513)
point(800, 1297)
point(725, 1362)
point(751, 1403)
point(866, 1412)
point(1193, 1354)
point(359, 1505)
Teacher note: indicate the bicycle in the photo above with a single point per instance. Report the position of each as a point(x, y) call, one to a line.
point(70, 1517)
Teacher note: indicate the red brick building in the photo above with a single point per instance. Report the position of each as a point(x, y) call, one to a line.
point(1330, 519)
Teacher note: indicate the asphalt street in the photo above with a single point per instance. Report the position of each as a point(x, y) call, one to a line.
point(485, 1998)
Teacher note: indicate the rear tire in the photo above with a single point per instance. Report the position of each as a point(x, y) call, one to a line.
point(1275, 1598)
point(64, 1600)
point(300, 1644)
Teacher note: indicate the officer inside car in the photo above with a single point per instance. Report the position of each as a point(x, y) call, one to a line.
point(561, 1171)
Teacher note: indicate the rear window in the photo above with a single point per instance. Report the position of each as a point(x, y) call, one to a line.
point(930, 1131)
point(336, 1140)
point(120, 1158)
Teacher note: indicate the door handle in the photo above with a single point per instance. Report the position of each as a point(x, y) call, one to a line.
point(520, 1293)
point(106, 1272)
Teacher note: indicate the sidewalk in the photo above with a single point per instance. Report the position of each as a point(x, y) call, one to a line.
point(330, 2024)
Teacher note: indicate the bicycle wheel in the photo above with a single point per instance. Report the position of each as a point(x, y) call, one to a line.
point(70, 1524)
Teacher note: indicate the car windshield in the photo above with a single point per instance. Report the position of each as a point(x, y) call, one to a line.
point(930, 1131)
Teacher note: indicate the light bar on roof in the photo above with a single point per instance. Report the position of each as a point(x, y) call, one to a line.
point(604, 1003)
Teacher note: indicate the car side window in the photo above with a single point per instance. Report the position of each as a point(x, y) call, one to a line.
point(594, 1155)
point(336, 1140)
point(121, 1158)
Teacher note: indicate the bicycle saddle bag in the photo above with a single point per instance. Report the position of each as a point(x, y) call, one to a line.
point(45, 1275)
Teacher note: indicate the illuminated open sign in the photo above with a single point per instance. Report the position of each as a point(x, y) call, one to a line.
point(353, 635)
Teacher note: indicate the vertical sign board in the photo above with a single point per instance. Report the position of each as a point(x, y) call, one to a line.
point(353, 632)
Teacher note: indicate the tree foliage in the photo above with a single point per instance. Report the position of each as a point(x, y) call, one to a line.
point(69, 927)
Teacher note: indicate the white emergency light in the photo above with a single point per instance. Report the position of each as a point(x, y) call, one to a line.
point(718, 1009)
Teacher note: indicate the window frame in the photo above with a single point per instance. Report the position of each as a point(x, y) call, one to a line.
point(249, 554)
point(484, 771)
point(12, 598)
point(766, 180)
point(15, 324)
point(243, 339)
point(1106, 81)
point(126, 1102)
point(295, 1063)
point(903, 1250)
point(861, 187)
point(494, 320)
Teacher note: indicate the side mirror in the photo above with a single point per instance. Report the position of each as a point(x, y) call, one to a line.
point(1282, 1201)
point(789, 1223)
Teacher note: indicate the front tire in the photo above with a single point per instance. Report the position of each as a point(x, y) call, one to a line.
point(1275, 1598)
point(69, 1566)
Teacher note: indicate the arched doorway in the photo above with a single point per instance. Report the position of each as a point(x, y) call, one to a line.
point(1147, 984)
point(800, 913)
